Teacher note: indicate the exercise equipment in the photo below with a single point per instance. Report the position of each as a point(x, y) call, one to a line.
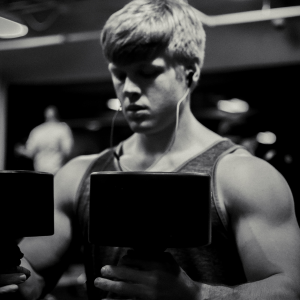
point(149, 211)
point(26, 209)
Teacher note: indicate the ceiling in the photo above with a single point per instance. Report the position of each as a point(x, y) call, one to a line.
point(62, 44)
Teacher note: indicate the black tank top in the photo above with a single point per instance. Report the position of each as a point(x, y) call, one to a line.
point(217, 263)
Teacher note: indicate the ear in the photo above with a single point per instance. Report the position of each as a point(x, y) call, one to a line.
point(192, 75)
point(120, 107)
point(109, 67)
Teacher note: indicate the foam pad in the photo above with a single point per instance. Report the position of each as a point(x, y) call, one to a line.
point(26, 204)
point(143, 209)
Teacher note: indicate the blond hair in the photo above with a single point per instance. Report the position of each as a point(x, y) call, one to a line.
point(143, 29)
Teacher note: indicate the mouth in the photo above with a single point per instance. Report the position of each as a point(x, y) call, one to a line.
point(137, 112)
point(135, 108)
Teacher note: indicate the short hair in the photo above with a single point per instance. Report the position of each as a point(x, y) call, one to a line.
point(144, 29)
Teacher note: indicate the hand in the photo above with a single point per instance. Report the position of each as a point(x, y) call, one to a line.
point(19, 149)
point(9, 282)
point(145, 277)
point(11, 273)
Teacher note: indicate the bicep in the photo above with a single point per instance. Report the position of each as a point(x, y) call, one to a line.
point(263, 220)
point(45, 251)
point(268, 247)
point(50, 255)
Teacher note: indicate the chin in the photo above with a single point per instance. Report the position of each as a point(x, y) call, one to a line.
point(141, 128)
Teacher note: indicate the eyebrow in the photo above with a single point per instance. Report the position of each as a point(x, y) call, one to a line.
point(139, 65)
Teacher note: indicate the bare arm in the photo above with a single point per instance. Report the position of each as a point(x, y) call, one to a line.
point(47, 257)
point(23, 151)
point(67, 141)
point(261, 210)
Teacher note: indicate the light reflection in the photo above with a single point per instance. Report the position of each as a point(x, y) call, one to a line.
point(10, 29)
point(266, 137)
point(114, 104)
point(233, 106)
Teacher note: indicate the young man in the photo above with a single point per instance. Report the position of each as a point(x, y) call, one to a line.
point(155, 51)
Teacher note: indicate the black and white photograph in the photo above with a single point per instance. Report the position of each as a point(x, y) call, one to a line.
point(148, 149)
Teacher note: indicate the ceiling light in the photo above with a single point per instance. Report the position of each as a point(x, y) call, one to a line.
point(10, 29)
point(233, 106)
point(93, 125)
point(266, 138)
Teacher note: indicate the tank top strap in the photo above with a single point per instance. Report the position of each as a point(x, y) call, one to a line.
point(103, 162)
point(206, 162)
point(219, 204)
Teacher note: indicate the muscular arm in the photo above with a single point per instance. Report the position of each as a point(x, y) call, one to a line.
point(261, 210)
point(47, 257)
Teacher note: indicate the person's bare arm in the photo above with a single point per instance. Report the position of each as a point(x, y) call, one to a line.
point(67, 140)
point(261, 210)
point(47, 257)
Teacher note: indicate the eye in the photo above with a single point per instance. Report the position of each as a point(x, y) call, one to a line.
point(119, 75)
point(150, 72)
point(116, 72)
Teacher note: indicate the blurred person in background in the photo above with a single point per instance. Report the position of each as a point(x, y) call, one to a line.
point(49, 144)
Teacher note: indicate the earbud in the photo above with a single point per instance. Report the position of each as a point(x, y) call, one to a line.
point(120, 107)
point(190, 79)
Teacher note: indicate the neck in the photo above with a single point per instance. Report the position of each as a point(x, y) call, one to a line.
point(153, 152)
point(156, 144)
point(143, 151)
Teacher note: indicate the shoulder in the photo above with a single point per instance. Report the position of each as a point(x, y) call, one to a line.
point(248, 184)
point(36, 130)
point(69, 177)
point(63, 125)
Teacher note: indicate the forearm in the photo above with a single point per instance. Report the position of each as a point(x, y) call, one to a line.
point(22, 150)
point(274, 287)
point(33, 287)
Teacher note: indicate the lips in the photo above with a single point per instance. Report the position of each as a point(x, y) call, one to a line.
point(137, 112)
point(135, 107)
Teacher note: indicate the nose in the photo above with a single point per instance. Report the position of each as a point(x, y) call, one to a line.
point(130, 86)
